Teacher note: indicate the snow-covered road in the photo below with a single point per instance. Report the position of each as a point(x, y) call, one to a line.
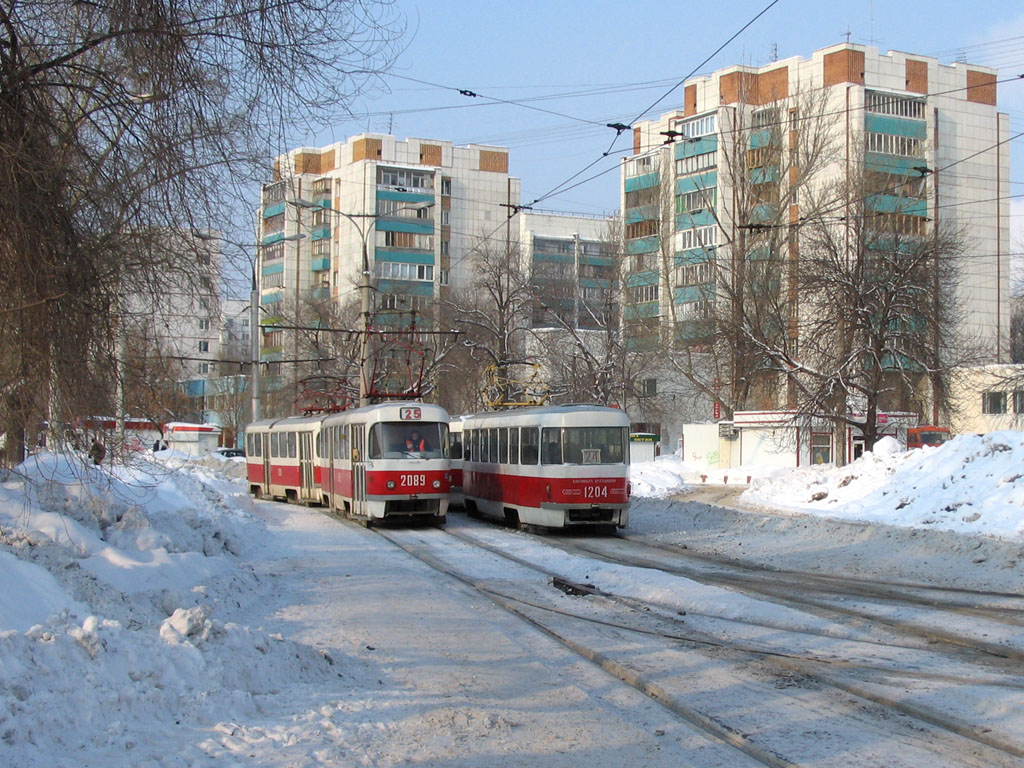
point(154, 615)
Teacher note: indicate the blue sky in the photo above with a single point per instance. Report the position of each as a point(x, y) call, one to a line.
point(598, 62)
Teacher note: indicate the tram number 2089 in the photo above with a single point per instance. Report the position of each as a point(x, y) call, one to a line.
point(413, 481)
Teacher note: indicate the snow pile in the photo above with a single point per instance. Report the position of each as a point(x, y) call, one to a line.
point(972, 484)
point(659, 478)
point(111, 581)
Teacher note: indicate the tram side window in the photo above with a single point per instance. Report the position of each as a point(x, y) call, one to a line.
point(374, 448)
point(492, 445)
point(292, 447)
point(274, 445)
point(551, 446)
point(503, 445)
point(529, 443)
point(455, 444)
point(482, 456)
point(319, 450)
point(513, 445)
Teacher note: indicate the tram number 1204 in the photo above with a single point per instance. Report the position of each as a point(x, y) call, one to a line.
point(595, 492)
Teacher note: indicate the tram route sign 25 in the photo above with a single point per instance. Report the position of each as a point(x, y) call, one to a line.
point(409, 413)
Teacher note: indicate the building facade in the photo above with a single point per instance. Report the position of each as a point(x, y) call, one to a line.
point(725, 184)
point(415, 211)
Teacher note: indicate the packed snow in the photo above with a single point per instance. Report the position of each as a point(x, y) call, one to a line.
point(150, 616)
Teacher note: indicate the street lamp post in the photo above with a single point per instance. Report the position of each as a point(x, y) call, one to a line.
point(365, 288)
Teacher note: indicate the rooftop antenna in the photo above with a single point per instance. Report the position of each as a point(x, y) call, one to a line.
point(847, 33)
point(775, 52)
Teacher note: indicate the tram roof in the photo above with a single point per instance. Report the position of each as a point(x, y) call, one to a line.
point(548, 410)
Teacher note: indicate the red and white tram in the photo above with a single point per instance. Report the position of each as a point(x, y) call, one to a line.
point(387, 461)
point(550, 466)
point(283, 460)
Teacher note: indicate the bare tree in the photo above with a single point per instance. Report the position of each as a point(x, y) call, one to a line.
point(121, 122)
point(493, 313)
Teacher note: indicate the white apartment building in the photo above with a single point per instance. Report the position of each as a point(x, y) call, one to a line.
point(416, 208)
point(933, 128)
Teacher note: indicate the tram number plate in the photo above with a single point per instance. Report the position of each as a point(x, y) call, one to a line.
point(414, 481)
point(595, 492)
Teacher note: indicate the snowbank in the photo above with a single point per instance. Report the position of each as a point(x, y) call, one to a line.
point(972, 484)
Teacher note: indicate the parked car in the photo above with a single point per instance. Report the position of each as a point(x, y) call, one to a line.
point(926, 435)
point(229, 453)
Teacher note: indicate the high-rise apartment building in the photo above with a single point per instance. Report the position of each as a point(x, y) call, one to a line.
point(415, 210)
point(756, 151)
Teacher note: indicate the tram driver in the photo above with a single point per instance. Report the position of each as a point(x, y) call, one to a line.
point(416, 443)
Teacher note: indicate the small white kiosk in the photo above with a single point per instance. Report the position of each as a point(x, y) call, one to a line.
point(642, 446)
point(193, 439)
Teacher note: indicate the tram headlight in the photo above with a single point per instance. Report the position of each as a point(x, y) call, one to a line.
point(390, 484)
point(437, 483)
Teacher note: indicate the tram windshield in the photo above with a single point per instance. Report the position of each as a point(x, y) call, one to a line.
point(583, 445)
point(408, 440)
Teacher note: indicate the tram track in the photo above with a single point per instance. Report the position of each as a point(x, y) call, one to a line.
point(830, 597)
point(758, 670)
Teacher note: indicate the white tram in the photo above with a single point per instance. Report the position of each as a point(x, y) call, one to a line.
point(551, 466)
point(283, 459)
point(387, 461)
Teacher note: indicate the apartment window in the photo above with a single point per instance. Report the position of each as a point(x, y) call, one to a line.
point(993, 402)
point(644, 228)
point(446, 218)
point(890, 104)
point(204, 367)
point(446, 187)
point(322, 187)
point(648, 387)
point(405, 177)
point(696, 163)
point(766, 118)
point(410, 240)
point(274, 338)
point(1018, 401)
point(321, 248)
point(901, 223)
point(442, 277)
point(204, 324)
point(400, 270)
point(696, 310)
point(698, 200)
point(274, 223)
point(697, 237)
point(271, 252)
point(445, 247)
point(694, 274)
point(274, 193)
point(891, 144)
point(204, 346)
point(701, 126)
point(639, 166)
point(274, 281)
point(644, 293)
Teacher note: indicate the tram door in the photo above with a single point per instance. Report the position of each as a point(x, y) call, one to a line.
point(264, 438)
point(306, 463)
point(358, 443)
